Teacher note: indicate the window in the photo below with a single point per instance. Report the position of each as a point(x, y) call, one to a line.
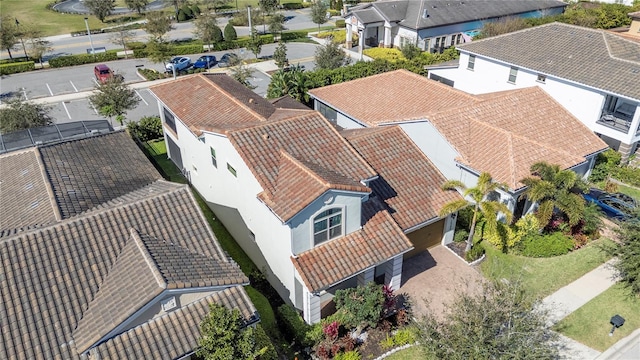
point(472, 62)
point(232, 170)
point(327, 225)
point(542, 78)
point(214, 161)
point(169, 120)
point(458, 38)
point(328, 112)
point(513, 73)
point(427, 44)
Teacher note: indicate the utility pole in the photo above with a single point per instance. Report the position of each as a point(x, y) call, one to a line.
point(249, 14)
point(21, 41)
point(86, 22)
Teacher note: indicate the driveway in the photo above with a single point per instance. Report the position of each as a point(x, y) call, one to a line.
point(433, 278)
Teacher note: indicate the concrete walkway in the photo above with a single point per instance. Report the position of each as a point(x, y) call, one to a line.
point(571, 297)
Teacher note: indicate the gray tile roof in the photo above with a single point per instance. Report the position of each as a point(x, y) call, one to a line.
point(409, 13)
point(83, 174)
point(142, 341)
point(595, 58)
point(52, 274)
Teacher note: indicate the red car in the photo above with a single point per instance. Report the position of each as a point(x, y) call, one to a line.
point(103, 73)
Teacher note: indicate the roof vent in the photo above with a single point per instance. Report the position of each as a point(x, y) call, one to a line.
point(635, 71)
point(265, 136)
point(169, 304)
point(425, 14)
point(251, 101)
point(433, 6)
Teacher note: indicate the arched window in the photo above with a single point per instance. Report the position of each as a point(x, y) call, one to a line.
point(327, 225)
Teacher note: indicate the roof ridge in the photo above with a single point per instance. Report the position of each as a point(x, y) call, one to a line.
point(232, 97)
point(617, 37)
point(72, 140)
point(303, 167)
point(512, 162)
point(148, 258)
point(47, 184)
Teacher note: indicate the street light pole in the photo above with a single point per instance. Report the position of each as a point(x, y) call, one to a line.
point(22, 41)
point(86, 22)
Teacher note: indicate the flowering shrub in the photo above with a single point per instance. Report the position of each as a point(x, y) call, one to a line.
point(331, 330)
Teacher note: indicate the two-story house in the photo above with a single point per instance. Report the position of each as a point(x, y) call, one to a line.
point(594, 74)
point(433, 25)
point(501, 133)
point(305, 204)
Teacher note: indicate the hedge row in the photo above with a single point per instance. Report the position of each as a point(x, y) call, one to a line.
point(198, 48)
point(81, 59)
point(84, 32)
point(293, 35)
point(14, 60)
point(12, 68)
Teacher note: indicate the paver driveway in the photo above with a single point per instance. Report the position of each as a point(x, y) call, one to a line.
point(435, 276)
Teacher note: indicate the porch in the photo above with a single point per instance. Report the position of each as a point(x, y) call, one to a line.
point(617, 122)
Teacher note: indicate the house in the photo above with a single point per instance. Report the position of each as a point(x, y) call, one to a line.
point(594, 74)
point(101, 258)
point(433, 25)
point(464, 135)
point(316, 211)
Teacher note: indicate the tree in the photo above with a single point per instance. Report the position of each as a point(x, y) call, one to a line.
point(360, 306)
point(207, 30)
point(627, 251)
point(158, 50)
point(137, 5)
point(158, 24)
point(18, 115)
point(225, 337)
point(481, 197)
point(121, 37)
point(148, 128)
point(242, 73)
point(553, 188)
point(8, 33)
point(114, 98)
point(319, 13)
point(100, 8)
point(176, 5)
point(255, 43)
point(35, 45)
point(330, 56)
point(500, 322)
point(280, 55)
point(410, 51)
point(230, 34)
point(295, 83)
point(507, 25)
point(215, 4)
point(276, 24)
point(268, 6)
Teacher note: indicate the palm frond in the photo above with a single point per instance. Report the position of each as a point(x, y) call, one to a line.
point(544, 212)
point(451, 207)
point(453, 185)
point(565, 179)
point(539, 190)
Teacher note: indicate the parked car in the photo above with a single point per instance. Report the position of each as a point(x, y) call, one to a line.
point(102, 73)
point(228, 59)
point(205, 62)
point(179, 63)
point(615, 205)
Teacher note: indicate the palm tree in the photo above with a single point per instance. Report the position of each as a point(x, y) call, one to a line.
point(553, 188)
point(479, 198)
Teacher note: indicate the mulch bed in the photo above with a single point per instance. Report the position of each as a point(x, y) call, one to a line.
point(371, 348)
point(458, 248)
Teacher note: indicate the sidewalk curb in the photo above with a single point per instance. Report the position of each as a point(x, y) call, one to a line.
point(617, 349)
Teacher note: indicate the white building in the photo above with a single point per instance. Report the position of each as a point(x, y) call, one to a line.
point(305, 204)
point(594, 74)
point(465, 135)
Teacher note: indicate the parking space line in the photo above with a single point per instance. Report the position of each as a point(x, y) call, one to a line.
point(25, 94)
point(141, 98)
point(74, 87)
point(67, 110)
point(94, 108)
point(50, 92)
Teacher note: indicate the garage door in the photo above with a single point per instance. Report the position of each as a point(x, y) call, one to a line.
point(425, 238)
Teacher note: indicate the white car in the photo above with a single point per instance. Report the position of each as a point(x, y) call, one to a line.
point(179, 63)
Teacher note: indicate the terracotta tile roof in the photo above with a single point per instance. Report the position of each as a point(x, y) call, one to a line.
point(213, 102)
point(52, 274)
point(314, 144)
point(287, 102)
point(409, 184)
point(595, 58)
point(379, 240)
point(504, 135)
point(83, 175)
point(399, 95)
point(25, 196)
point(142, 341)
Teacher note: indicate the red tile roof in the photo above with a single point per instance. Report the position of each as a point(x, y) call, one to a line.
point(409, 184)
point(510, 131)
point(379, 240)
point(390, 97)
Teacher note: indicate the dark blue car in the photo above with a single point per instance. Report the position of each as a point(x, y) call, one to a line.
point(205, 62)
point(615, 205)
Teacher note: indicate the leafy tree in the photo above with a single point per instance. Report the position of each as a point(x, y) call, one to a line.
point(176, 5)
point(255, 43)
point(225, 337)
point(114, 98)
point(330, 56)
point(553, 188)
point(35, 45)
point(410, 51)
point(280, 55)
point(137, 5)
point(158, 50)
point(100, 8)
point(230, 33)
point(507, 25)
point(500, 322)
point(8, 33)
point(481, 197)
point(158, 24)
point(319, 13)
point(268, 6)
point(148, 128)
point(18, 115)
point(276, 24)
point(215, 4)
point(121, 37)
point(242, 73)
point(295, 83)
point(207, 30)
point(628, 253)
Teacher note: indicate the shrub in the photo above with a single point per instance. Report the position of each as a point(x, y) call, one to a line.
point(292, 6)
point(361, 305)
point(195, 10)
point(13, 68)
point(392, 55)
point(293, 35)
point(546, 245)
point(349, 355)
point(474, 254)
point(182, 16)
point(135, 45)
point(295, 327)
point(151, 74)
point(187, 49)
point(605, 164)
point(627, 174)
point(461, 235)
point(230, 33)
point(410, 51)
point(264, 344)
point(148, 128)
point(333, 12)
point(72, 60)
point(340, 23)
point(339, 36)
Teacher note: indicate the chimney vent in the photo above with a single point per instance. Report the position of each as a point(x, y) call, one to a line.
point(425, 14)
point(251, 101)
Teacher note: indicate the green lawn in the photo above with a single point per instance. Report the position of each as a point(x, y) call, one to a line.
point(633, 192)
point(590, 323)
point(412, 353)
point(543, 276)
